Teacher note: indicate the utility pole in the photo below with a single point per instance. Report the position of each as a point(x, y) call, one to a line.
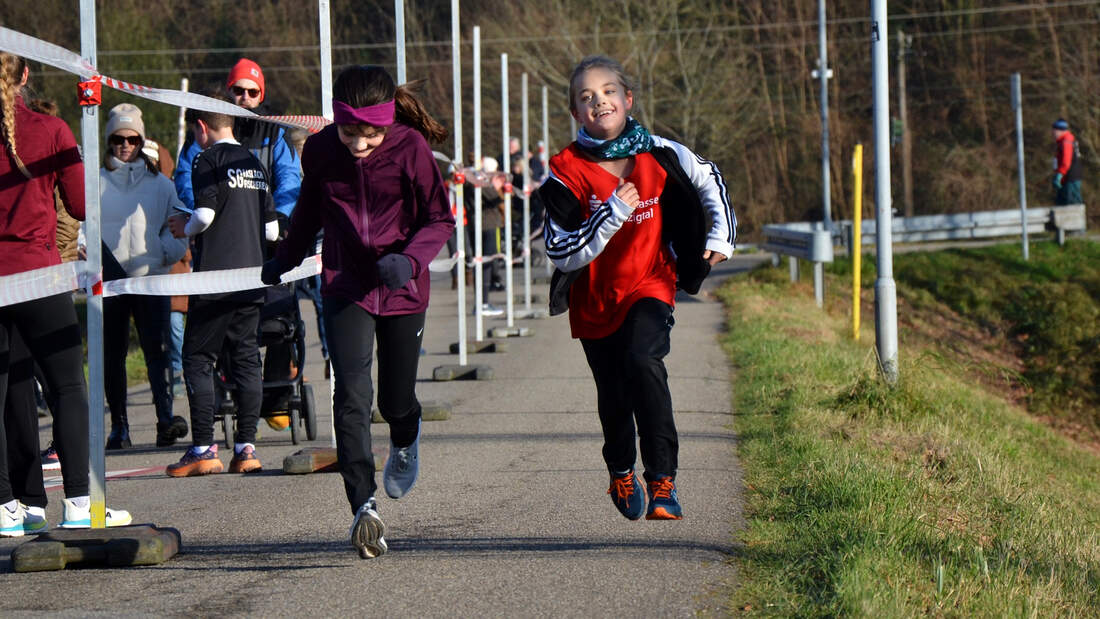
point(823, 73)
point(906, 139)
point(886, 292)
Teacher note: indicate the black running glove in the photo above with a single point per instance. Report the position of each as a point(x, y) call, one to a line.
point(272, 271)
point(395, 270)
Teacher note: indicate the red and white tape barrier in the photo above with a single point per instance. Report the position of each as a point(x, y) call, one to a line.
point(40, 283)
point(31, 48)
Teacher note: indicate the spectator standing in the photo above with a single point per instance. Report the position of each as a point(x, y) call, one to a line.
point(1067, 165)
point(136, 200)
point(233, 216)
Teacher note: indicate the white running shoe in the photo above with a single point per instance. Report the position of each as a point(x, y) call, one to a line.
point(488, 309)
point(81, 517)
point(11, 523)
point(367, 530)
point(402, 467)
point(34, 520)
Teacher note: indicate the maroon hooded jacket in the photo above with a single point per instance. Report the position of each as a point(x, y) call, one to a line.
point(28, 215)
point(391, 202)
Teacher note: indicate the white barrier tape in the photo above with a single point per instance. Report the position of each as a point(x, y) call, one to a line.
point(47, 53)
point(40, 283)
point(443, 265)
point(207, 282)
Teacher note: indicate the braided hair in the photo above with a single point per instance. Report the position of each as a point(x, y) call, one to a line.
point(11, 73)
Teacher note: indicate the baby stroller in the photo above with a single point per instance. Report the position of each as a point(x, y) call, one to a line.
point(281, 328)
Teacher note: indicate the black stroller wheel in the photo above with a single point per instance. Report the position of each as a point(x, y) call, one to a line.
point(309, 412)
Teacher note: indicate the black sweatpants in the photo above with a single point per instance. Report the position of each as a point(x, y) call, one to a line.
point(21, 425)
point(52, 334)
point(210, 325)
point(632, 386)
point(353, 332)
point(151, 315)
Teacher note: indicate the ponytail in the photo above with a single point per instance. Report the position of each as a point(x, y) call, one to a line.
point(11, 73)
point(410, 111)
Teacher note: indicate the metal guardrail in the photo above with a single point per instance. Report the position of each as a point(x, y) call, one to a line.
point(810, 241)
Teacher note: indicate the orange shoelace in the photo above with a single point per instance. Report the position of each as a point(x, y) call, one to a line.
point(623, 487)
point(662, 488)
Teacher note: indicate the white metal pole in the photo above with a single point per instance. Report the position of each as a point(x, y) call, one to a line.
point(1018, 106)
point(325, 32)
point(525, 147)
point(181, 134)
point(823, 74)
point(506, 165)
point(545, 154)
point(460, 206)
point(478, 272)
point(399, 20)
point(89, 128)
point(886, 308)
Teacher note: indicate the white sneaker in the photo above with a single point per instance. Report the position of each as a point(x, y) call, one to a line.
point(488, 309)
point(34, 520)
point(11, 523)
point(81, 518)
point(366, 532)
point(399, 474)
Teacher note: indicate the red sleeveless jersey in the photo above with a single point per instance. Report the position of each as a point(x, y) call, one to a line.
point(635, 263)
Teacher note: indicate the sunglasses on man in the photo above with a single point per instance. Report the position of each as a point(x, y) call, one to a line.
point(117, 140)
point(240, 92)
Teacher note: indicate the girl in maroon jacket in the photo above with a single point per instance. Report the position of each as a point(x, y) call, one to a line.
point(371, 181)
point(39, 153)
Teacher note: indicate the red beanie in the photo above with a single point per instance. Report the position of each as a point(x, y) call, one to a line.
point(248, 70)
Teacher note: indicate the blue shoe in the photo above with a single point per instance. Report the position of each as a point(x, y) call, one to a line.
point(663, 504)
point(366, 531)
point(627, 495)
point(402, 467)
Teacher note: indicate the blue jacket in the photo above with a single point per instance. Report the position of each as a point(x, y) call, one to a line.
point(267, 142)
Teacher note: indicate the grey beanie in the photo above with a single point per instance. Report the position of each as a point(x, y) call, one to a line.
point(125, 116)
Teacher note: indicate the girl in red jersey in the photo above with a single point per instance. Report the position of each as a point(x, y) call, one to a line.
point(631, 218)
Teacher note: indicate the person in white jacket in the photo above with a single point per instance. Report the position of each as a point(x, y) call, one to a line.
point(136, 201)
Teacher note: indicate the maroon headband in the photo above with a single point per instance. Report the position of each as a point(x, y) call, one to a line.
point(379, 115)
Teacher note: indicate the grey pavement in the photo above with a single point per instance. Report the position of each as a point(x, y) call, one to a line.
point(510, 516)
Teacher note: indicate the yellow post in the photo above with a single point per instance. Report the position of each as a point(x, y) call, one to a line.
point(857, 234)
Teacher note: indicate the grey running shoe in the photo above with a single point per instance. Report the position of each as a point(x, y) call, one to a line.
point(402, 467)
point(366, 532)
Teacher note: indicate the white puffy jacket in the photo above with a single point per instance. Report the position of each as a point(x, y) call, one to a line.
point(135, 204)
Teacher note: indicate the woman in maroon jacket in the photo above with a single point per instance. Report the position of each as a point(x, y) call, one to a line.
point(371, 181)
point(39, 153)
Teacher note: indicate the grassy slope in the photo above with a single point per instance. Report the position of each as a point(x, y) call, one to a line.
point(931, 497)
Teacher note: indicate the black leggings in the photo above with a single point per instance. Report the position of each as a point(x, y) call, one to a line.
point(52, 334)
point(351, 348)
point(632, 385)
point(151, 318)
point(21, 424)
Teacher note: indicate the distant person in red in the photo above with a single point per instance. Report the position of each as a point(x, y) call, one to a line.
point(1067, 165)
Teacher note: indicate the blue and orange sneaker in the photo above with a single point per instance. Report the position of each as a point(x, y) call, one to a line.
point(663, 504)
point(196, 462)
point(626, 493)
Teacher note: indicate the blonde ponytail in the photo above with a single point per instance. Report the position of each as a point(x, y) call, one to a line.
point(11, 73)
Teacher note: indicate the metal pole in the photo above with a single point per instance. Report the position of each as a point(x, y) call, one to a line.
point(545, 154)
point(525, 147)
point(857, 237)
point(823, 74)
point(1017, 105)
point(89, 128)
point(181, 135)
point(460, 205)
point(886, 299)
point(506, 165)
point(399, 21)
point(325, 33)
point(478, 272)
point(906, 139)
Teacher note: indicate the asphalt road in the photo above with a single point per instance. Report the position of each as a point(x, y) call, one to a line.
point(510, 516)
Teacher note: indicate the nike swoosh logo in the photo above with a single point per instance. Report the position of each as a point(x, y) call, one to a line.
point(420, 331)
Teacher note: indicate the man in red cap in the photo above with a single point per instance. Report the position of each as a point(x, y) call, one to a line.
point(267, 141)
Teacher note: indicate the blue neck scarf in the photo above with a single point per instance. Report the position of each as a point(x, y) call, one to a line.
point(634, 140)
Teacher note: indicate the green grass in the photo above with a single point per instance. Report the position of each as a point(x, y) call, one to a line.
point(931, 497)
point(136, 372)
